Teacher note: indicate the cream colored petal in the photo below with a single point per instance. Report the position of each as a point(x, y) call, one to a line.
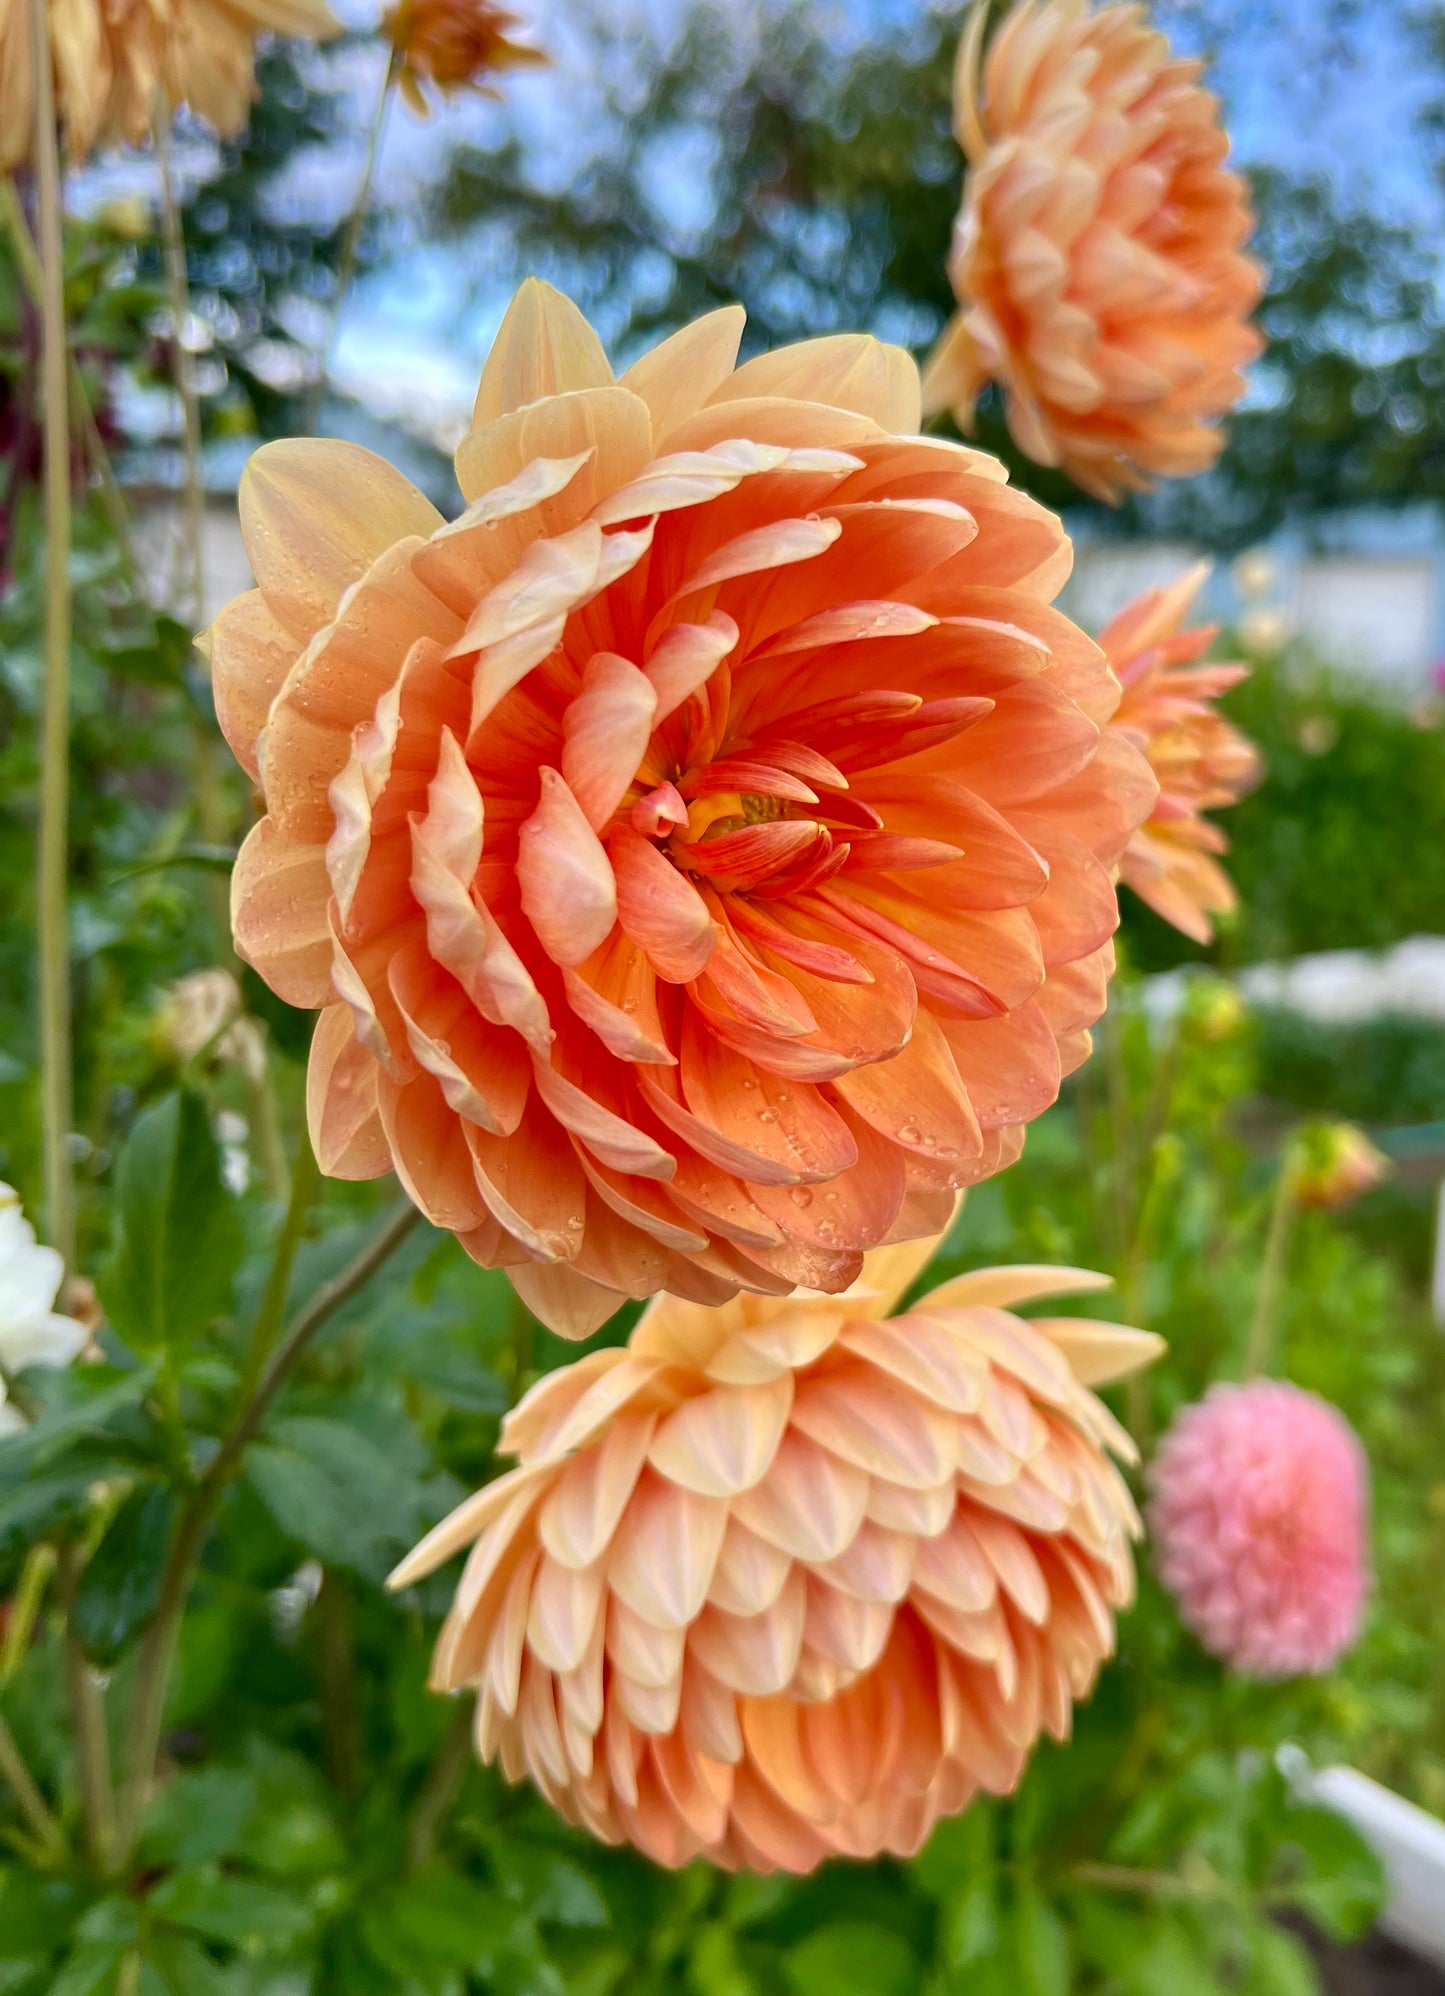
point(889, 1270)
point(606, 425)
point(584, 1508)
point(723, 1441)
point(544, 346)
point(280, 892)
point(250, 652)
point(341, 1106)
point(1100, 1353)
point(1002, 1288)
point(315, 513)
point(679, 375)
point(466, 1524)
point(850, 371)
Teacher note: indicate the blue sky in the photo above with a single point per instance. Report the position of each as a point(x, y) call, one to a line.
point(1326, 86)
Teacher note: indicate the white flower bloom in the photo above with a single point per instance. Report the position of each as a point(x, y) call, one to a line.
point(32, 1332)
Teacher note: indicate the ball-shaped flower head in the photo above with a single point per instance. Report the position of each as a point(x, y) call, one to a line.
point(1332, 1164)
point(791, 1580)
point(114, 60)
point(701, 849)
point(1097, 258)
point(1201, 760)
point(1259, 1501)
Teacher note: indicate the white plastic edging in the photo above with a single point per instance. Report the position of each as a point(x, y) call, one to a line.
point(1410, 1844)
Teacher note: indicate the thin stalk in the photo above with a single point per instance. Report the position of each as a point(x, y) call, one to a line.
point(304, 1181)
point(1258, 1348)
point(88, 1721)
point(147, 1708)
point(25, 1603)
point(351, 241)
point(438, 1793)
point(336, 1616)
point(210, 800)
point(28, 1798)
point(53, 932)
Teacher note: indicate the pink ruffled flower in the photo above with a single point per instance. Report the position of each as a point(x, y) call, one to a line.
point(1259, 1511)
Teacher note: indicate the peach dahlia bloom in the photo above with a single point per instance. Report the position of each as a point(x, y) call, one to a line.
point(700, 849)
point(453, 45)
point(1097, 258)
point(113, 59)
point(1259, 1507)
point(1201, 760)
point(785, 1581)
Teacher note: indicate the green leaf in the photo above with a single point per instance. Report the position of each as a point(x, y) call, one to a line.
point(959, 1848)
point(199, 1815)
point(89, 1969)
point(714, 1966)
point(1338, 1879)
point(436, 1921)
point(178, 1234)
point(970, 1927)
point(37, 1914)
point(553, 1888)
point(175, 1966)
point(242, 1913)
point(1042, 1945)
point(338, 1493)
point(1279, 1965)
point(78, 1403)
point(121, 1583)
point(855, 1956)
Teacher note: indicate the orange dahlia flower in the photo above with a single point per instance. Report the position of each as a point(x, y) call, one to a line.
point(701, 848)
point(1097, 258)
point(114, 59)
point(786, 1581)
point(1201, 760)
point(453, 45)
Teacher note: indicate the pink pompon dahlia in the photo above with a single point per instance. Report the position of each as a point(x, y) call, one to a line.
point(1259, 1514)
point(784, 1581)
point(1201, 760)
point(699, 851)
point(1098, 256)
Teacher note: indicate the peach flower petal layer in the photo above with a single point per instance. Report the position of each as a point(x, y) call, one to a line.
point(1259, 1507)
point(701, 849)
point(1201, 760)
point(1097, 258)
point(788, 1581)
point(112, 57)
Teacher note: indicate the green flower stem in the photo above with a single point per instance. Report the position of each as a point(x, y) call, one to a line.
point(28, 1799)
point(35, 1575)
point(88, 1719)
point(351, 242)
point(305, 1179)
point(1259, 1347)
point(52, 915)
point(157, 1653)
point(438, 1793)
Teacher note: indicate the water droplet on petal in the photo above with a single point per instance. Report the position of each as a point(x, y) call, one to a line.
point(801, 1196)
point(908, 1134)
